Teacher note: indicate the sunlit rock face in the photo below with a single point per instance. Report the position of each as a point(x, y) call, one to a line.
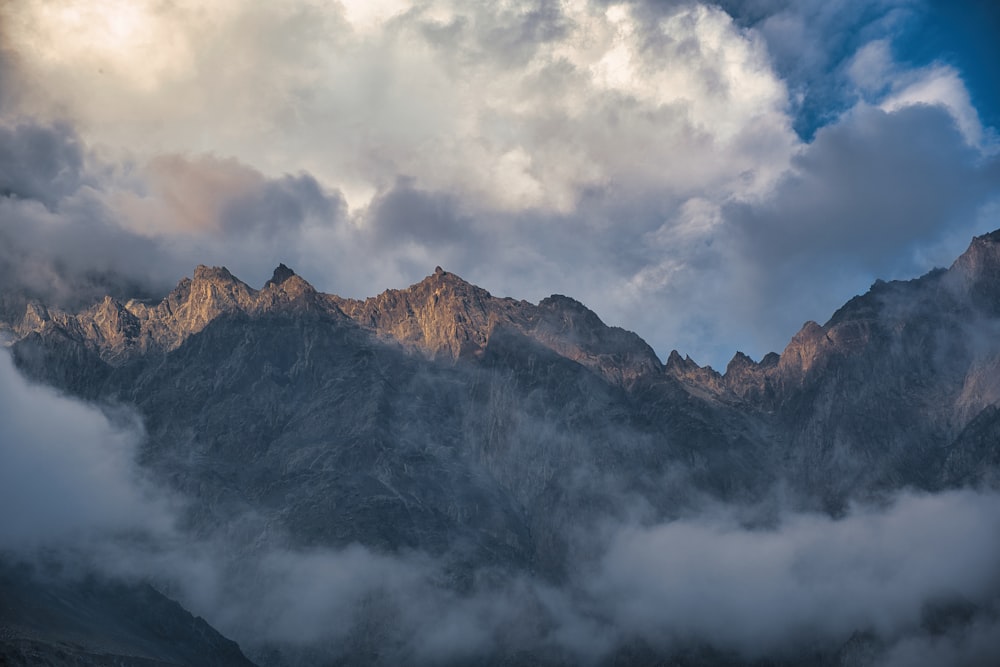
point(446, 317)
point(118, 332)
point(494, 434)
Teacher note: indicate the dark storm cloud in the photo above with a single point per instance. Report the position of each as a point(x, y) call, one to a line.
point(871, 197)
point(76, 255)
point(209, 195)
point(74, 228)
point(871, 186)
point(281, 206)
point(40, 162)
point(60, 242)
point(407, 214)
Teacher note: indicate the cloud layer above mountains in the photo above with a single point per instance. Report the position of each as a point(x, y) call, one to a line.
point(709, 176)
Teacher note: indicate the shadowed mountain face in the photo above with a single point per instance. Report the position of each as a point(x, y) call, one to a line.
point(501, 436)
point(46, 620)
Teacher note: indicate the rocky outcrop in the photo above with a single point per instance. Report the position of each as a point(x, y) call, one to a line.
point(443, 316)
point(118, 332)
point(975, 275)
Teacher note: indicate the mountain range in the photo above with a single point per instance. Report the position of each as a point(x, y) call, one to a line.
point(488, 454)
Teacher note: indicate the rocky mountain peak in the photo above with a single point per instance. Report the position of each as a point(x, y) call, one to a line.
point(803, 350)
point(739, 362)
point(280, 275)
point(35, 316)
point(118, 332)
point(571, 311)
point(983, 254)
point(747, 378)
point(703, 381)
point(675, 362)
point(213, 274)
point(446, 279)
point(443, 316)
point(976, 272)
point(769, 360)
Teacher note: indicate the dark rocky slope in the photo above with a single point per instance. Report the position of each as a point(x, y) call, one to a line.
point(58, 620)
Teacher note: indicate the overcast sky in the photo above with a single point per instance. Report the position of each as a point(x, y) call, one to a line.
point(710, 176)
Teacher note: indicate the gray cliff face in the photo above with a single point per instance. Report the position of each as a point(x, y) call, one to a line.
point(493, 433)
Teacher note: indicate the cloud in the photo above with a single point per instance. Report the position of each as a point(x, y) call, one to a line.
point(878, 194)
point(405, 213)
point(814, 43)
point(76, 227)
point(860, 203)
point(67, 471)
point(38, 162)
point(512, 107)
point(812, 581)
point(915, 577)
point(939, 86)
point(909, 175)
point(177, 195)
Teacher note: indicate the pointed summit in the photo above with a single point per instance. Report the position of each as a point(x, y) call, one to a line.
point(213, 274)
point(977, 272)
point(281, 274)
point(442, 277)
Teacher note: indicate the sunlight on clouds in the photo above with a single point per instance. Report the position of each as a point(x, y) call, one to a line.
point(184, 195)
point(892, 87)
point(614, 69)
point(121, 39)
point(698, 60)
point(941, 86)
point(871, 68)
point(369, 15)
point(462, 97)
